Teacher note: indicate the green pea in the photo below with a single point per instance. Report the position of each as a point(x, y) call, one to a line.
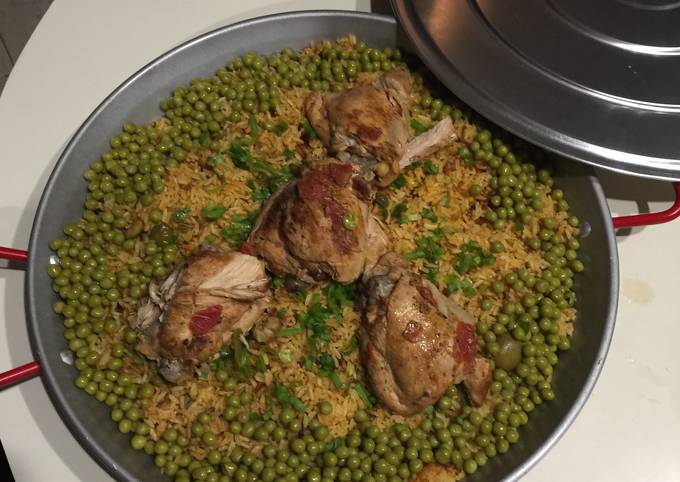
point(577, 266)
point(321, 433)
point(138, 442)
point(146, 390)
point(361, 416)
point(326, 408)
point(209, 439)
point(197, 429)
point(497, 287)
point(475, 190)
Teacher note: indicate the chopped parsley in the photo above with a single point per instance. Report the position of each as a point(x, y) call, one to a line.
point(454, 283)
point(432, 273)
point(472, 256)
point(213, 211)
point(428, 214)
point(243, 159)
point(289, 153)
point(260, 193)
point(333, 444)
point(181, 214)
point(277, 282)
point(339, 295)
point(237, 231)
point(280, 127)
point(428, 248)
point(314, 320)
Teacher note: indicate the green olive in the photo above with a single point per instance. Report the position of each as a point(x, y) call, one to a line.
point(510, 352)
point(162, 234)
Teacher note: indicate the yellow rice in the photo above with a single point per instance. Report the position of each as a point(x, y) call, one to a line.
point(192, 185)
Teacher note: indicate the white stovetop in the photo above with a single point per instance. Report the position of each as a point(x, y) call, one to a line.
point(629, 429)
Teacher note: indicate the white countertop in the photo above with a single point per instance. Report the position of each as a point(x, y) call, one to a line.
point(629, 429)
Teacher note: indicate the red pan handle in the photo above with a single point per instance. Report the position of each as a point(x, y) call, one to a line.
point(13, 254)
point(19, 374)
point(32, 369)
point(651, 218)
point(29, 370)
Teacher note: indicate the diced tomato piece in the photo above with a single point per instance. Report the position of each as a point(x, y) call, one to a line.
point(466, 342)
point(248, 248)
point(205, 320)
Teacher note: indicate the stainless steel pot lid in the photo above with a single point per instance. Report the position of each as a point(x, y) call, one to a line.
point(594, 81)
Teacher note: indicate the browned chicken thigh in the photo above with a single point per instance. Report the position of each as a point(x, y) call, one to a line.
point(198, 308)
point(369, 125)
point(319, 227)
point(416, 342)
point(369, 121)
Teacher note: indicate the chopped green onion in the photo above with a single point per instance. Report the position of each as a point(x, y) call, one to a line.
point(290, 331)
point(285, 356)
point(260, 364)
point(399, 209)
point(430, 167)
point(418, 127)
point(407, 218)
point(289, 153)
point(282, 394)
point(326, 365)
point(399, 182)
point(241, 355)
point(254, 126)
point(309, 131)
point(363, 394)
